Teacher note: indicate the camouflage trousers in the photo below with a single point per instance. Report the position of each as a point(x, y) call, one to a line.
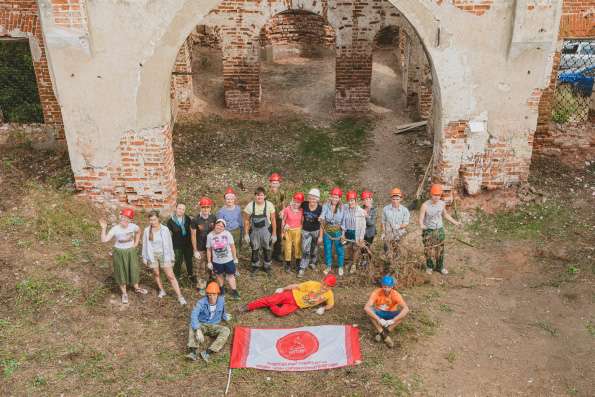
point(219, 332)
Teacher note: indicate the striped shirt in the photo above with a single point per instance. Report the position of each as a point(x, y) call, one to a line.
point(330, 218)
point(393, 218)
point(349, 218)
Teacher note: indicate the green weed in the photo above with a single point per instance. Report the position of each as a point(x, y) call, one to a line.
point(39, 381)
point(9, 365)
point(96, 296)
point(399, 387)
point(445, 308)
point(451, 357)
point(590, 327)
point(34, 292)
point(547, 326)
point(64, 258)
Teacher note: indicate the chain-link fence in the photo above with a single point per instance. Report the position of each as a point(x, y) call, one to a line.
point(19, 98)
point(574, 85)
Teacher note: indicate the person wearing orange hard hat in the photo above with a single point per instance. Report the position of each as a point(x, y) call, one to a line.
point(395, 219)
point(124, 255)
point(277, 196)
point(292, 218)
point(333, 230)
point(231, 212)
point(200, 227)
point(354, 224)
point(430, 221)
point(205, 320)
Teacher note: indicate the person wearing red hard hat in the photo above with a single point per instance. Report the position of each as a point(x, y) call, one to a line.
point(291, 230)
point(277, 196)
point(331, 219)
point(304, 295)
point(124, 255)
point(432, 229)
point(370, 210)
point(395, 219)
point(354, 224)
point(231, 212)
point(201, 226)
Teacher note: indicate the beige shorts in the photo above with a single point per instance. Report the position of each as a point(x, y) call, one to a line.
point(159, 262)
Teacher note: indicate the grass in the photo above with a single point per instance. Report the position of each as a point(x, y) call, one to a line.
point(547, 327)
point(33, 293)
point(396, 384)
point(9, 365)
point(451, 357)
point(551, 220)
point(590, 326)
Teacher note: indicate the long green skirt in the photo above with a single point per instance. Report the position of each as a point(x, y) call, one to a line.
point(126, 269)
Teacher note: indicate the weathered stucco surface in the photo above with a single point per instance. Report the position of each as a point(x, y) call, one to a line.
point(113, 81)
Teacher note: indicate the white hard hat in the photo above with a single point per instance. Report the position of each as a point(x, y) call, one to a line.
point(314, 192)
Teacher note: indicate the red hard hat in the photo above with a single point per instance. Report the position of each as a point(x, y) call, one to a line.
point(351, 195)
point(330, 280)
point(228, 191)
point(336, 192)
point(299, 197)
point(275, 177)
point(205, 202)
point(367, 194)
point(128, 213)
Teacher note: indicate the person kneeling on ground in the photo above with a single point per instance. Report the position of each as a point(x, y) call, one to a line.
point(288, 299)
point(204, 320)
point(386, 309)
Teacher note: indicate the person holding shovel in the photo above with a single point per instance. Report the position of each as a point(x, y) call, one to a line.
point(430, 221)
point(124, 255)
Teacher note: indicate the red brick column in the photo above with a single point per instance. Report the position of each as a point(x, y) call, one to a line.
point(182, 91)
point(20, 18)
point(353, 78)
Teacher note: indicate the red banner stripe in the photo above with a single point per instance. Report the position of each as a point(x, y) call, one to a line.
point(240, 347)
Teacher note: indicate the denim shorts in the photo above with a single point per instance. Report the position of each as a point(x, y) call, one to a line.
point(386, 315)
point(227, 268)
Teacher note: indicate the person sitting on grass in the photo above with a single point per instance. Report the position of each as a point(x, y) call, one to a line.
point(288, 299)
point(386, 309)
point(205, 319)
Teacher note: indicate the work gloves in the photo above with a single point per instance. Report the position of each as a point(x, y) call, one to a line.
point(210, 266)
point(273, 238)
point(279, 290)
point(199, 335)
point(247, 238)
point(320, 311)
point(197, 254)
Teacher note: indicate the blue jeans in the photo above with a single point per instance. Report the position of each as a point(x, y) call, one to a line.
point(328, 248)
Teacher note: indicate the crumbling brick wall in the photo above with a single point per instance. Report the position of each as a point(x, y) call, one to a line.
point(296, 33)
point(181, 92)
point(571, 142)
point(20, 18)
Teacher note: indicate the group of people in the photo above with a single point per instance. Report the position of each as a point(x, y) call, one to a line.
point(295, 232)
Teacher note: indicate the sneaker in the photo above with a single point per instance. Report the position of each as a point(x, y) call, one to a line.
point(141, 291)
point(340, 271)
point(205, 356)
point(353, 269)
point(202, 292)
point(237, 273)
point(267, 270)
point(161, 294)
point(235, 295)
point(125, 299)
point(444, 271)
point(287, 269)
point(191, 356)
point(389, 342)
point(312, 266)
point(253, 269)
point(300, 273)
point(327, 270)
point(428, 270)
point(182, 301)
point(378, 337)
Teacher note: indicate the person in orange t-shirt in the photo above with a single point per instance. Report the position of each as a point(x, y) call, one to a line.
point(386, 309)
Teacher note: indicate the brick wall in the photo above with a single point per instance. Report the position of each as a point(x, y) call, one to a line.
point(182, 91)
point(145, 176)
point(296, 33)
point(20, 18)
point(476, 7)
point(572, 143)
point(206, 37)
point(70, 14)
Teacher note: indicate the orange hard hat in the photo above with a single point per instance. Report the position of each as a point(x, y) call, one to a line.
point(351, 195)
point(205, 202)
point(275, 177)
point(367, 194)
point(396, 192)
point(336, 192)
point(128, 213)
point(436, 190)
point(229, 190)
point(298, 197)
point(213, 288)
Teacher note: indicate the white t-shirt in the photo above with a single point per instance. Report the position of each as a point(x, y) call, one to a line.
point(157, 243)
point(221, 245)
point(124, 236)
point(212, 309)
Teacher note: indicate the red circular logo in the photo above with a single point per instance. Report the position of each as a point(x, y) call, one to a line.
point(297, 345)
